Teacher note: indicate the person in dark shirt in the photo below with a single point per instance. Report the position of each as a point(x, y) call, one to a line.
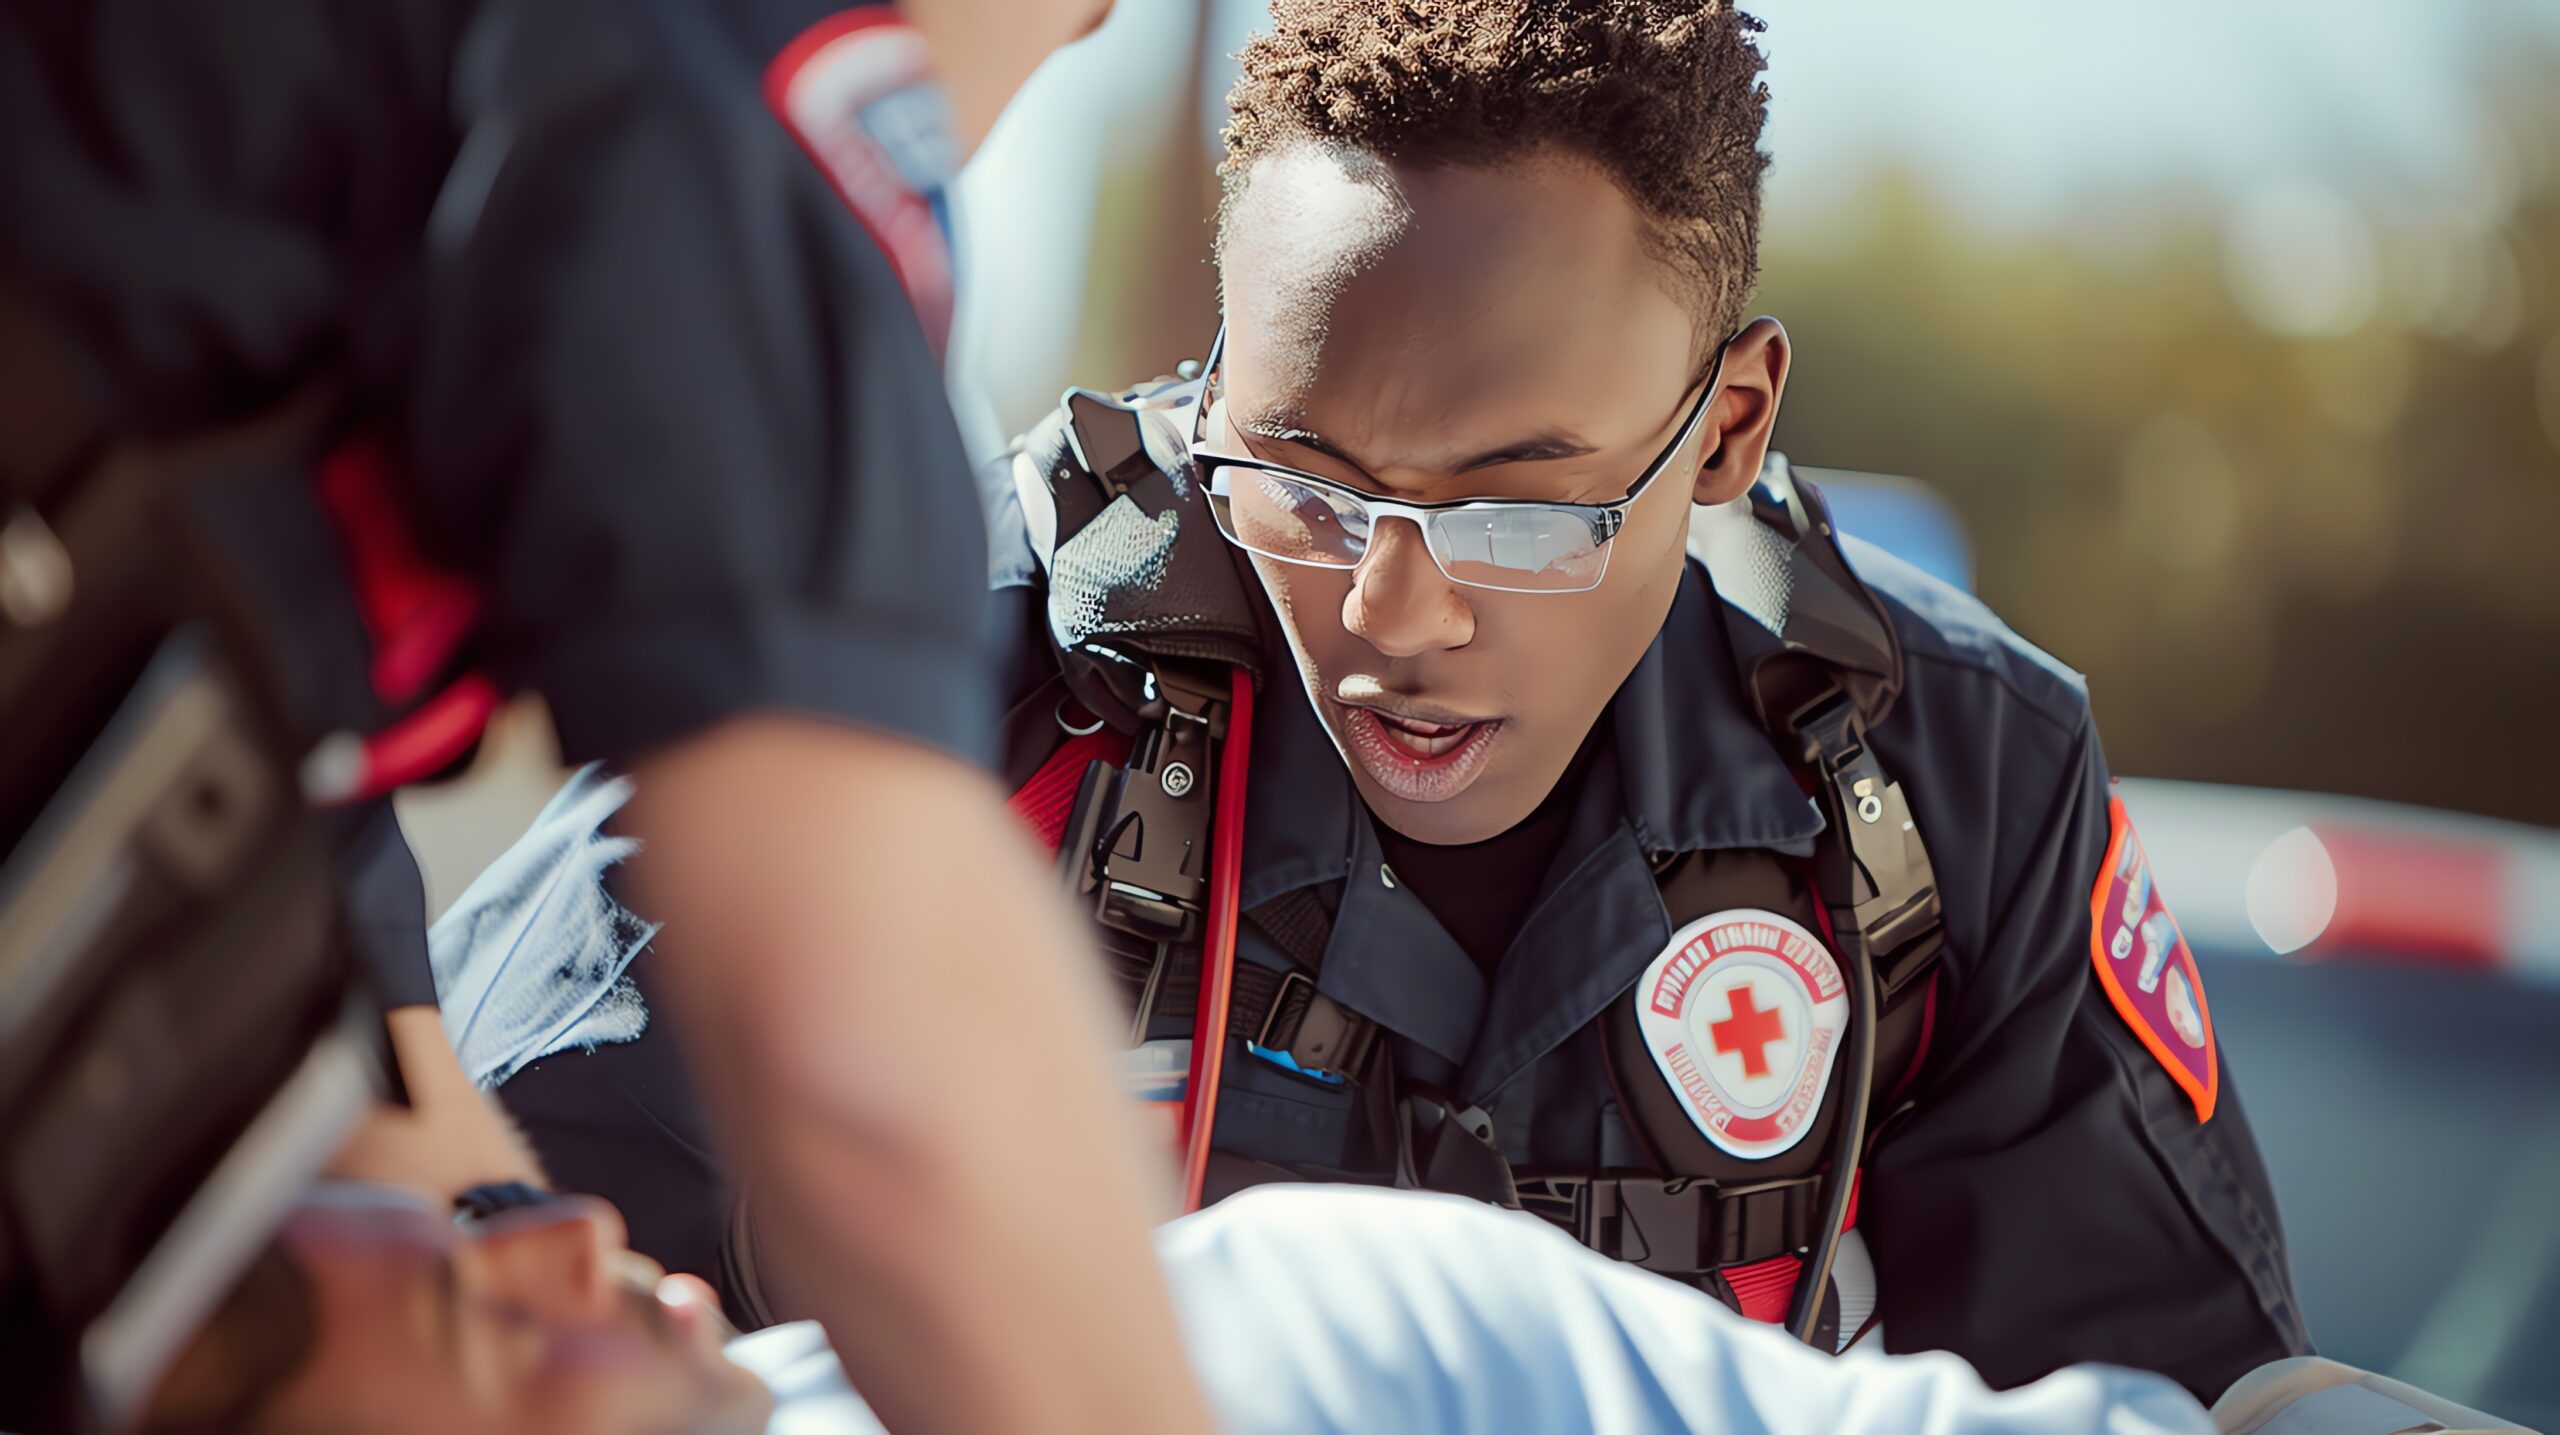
point(1486, 414)
point(629, 314)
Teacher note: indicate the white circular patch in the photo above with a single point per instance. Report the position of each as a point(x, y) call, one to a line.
point(1744, 1014)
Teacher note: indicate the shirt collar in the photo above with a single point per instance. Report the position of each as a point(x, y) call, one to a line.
point(1696, 770)
point(1701, 773)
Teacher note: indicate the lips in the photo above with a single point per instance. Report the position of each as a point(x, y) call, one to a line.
point(1418, 757)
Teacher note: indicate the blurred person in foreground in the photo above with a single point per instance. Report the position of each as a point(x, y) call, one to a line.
point(1530, 886)
point(592, 349)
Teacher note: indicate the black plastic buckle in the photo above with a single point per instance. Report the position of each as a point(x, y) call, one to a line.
point(1269, 1037)
point(1892, 890)
point(1139, 837)
point(1326, 1039)
point(1680, 1225)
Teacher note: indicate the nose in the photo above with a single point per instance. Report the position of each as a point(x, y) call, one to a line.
point(568, 1260)
point(1400, 602)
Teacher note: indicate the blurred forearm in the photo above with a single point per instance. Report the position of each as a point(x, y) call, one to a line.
point(889, 1012)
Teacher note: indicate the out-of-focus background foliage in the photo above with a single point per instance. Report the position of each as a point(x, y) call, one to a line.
point(2231, 332)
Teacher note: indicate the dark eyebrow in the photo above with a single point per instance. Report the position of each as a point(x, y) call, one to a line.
point(1536, 448)
point(1284, 430)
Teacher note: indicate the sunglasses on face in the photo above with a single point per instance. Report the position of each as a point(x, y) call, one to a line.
point(1504, 544)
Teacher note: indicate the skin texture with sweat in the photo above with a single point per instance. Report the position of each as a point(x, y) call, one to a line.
point(1496, 330)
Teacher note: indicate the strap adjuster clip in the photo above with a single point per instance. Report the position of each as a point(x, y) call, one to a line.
point(1311, 1033)
point(1280, 1007)
point(1268, 1045)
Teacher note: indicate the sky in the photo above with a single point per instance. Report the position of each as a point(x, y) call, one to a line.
point(2021, 108)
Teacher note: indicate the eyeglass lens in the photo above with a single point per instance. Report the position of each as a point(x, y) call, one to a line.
point(1520, 549)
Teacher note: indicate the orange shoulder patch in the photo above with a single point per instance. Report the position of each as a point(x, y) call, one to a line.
point(2143, 962)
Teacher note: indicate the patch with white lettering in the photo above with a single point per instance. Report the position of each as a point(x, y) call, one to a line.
point(2150, 975)
point(1744, 1013)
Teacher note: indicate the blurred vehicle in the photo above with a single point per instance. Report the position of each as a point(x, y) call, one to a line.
point(2387, 983)
point(2386, 979)
point(1905, 518)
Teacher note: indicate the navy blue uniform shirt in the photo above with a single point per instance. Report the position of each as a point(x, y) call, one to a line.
point(642, 373)
point(2051, 1196)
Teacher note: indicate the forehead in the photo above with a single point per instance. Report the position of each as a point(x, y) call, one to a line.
point(1515, 285)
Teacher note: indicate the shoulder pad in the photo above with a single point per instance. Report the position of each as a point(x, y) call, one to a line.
point(1138, 574)
point(1775, 556)
point(1941, 623)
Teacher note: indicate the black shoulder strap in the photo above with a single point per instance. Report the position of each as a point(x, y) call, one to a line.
point(1780, 563)
point(1835, 674)
point(1147, 613)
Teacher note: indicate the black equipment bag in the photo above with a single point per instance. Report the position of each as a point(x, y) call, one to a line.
point(183, 1041)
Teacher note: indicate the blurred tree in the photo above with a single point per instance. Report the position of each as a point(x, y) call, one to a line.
point(2293, 542)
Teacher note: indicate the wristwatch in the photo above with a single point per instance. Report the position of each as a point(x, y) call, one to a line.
point(481, 1202)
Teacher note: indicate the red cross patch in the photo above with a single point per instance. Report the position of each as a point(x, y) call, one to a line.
point(1744, 1014)
point(2150, 975)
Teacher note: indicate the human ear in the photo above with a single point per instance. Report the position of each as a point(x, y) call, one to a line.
point(1745, 412)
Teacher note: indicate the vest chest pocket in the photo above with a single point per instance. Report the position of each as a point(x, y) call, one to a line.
point(1269, 1115)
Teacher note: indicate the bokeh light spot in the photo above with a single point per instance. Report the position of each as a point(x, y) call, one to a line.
point(2293, 891)
point(2301, 262)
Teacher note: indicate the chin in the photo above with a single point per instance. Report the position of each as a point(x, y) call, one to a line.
point(1471, 816)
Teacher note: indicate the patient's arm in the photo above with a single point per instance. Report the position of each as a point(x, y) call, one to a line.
point(1341, 1310)
point(450, 1138)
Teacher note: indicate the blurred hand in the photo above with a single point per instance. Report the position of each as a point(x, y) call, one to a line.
point(450, 1138)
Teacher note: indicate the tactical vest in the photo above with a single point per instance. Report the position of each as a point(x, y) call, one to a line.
point(1126, 799)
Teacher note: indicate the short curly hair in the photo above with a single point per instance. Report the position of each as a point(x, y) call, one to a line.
point(1665, 95)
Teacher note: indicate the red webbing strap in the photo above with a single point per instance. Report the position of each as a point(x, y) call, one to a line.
point(1048, 800)
point(1764, 1289)
point(416, 613)
point(418, 617)
point(433, 737)
point(1218, 957)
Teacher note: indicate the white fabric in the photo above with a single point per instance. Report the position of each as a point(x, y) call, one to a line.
point(1747, 559)
point(533, 957)
point(1320, 1309)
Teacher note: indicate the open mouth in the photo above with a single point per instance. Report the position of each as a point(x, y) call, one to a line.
point(1415, 758)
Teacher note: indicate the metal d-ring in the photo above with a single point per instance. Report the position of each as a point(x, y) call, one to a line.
point(1070, 729)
